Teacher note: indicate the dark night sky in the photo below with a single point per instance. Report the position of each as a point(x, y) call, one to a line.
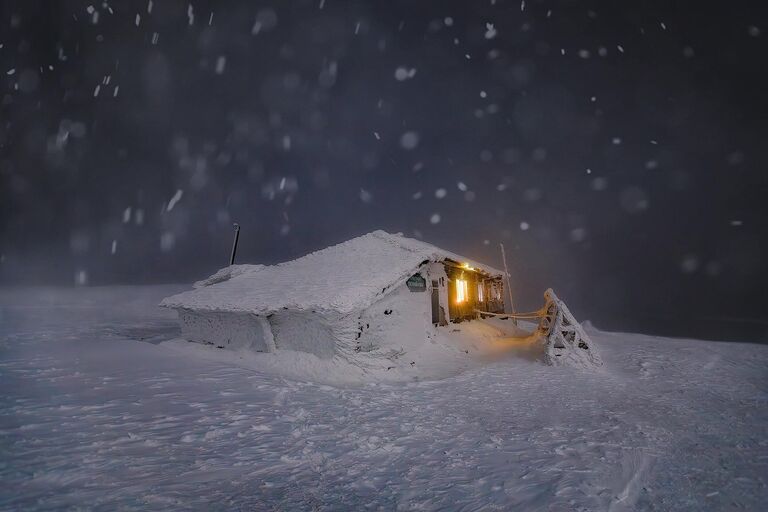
point(618, 149)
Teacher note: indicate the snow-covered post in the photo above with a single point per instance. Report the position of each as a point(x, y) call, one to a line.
point(234, 244)
point(506, 274)
point(269, 336)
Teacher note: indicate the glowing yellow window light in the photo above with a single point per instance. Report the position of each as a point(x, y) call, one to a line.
point(461, 290)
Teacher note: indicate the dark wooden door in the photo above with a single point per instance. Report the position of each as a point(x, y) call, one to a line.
point(435, 303)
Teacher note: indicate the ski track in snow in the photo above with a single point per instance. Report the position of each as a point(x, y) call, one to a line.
point(96, 412)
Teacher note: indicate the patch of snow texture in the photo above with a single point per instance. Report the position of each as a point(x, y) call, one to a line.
point(225, 274)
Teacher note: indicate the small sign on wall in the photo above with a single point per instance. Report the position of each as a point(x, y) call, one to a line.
point(416, 283)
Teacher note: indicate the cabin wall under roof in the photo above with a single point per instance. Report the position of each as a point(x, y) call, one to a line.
point(303, 331)
point(228, 330)
point(396, 323)
point(399, 321)
point(482, 293)
point(402, 319)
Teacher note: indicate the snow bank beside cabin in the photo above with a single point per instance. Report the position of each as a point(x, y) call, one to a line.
point(433, 353)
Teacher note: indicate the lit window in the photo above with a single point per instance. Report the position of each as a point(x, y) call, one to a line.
point(480, 292)
point(461, 290)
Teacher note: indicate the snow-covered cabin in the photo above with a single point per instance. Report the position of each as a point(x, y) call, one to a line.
point(371, 293)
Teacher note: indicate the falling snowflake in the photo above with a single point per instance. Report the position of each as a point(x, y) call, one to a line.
point(175, 199)
point(167, 241)
point(402, 73)
point(490, 31)
point(689, 264)
point(221, 63)
point(409, 140)
point(81, 278)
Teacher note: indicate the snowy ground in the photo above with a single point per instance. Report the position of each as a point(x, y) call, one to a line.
point(99, 410)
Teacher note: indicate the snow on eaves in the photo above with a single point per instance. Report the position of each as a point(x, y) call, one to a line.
point(341, 278)
point(225, 274)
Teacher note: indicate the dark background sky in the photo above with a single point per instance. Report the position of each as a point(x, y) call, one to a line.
point(618, 149)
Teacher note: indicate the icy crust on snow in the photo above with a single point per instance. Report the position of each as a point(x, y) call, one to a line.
point(342, 278)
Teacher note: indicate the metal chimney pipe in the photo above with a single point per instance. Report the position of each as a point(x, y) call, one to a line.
point(234, 244)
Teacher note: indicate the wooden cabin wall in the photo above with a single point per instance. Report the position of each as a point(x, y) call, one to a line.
point(495, 295)
point(466, 309)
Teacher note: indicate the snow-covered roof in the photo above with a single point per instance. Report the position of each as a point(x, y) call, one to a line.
point(341, 278)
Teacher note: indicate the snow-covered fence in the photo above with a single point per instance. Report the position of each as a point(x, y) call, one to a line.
point(566, 343)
